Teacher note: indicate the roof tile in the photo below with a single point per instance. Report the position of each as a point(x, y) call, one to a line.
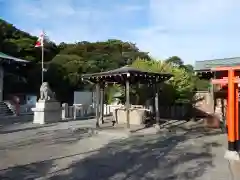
point(208, 64)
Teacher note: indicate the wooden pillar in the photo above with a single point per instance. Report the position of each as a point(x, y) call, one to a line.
point(102, 103)
point(1, 82)
point(153, 110)
point(127, 104)
point(237, 117)
point(231, 113)
point(212, 99)
point(97, 104)
point(157, 115)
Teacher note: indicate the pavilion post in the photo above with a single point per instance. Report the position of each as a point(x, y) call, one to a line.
point(152, 99)
point(97, 103)
point(101, 103)
point(127, 104)
point(152, 103)
point(1, 82)
point(157, 115)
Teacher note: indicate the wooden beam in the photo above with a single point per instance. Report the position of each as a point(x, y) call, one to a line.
point(224, 81)
point(226, 68)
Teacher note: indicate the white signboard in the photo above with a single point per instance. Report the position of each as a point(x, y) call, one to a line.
point(83, 97)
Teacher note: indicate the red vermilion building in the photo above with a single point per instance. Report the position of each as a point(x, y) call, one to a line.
point(224, 76)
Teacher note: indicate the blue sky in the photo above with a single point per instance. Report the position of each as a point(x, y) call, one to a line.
point(190, 29)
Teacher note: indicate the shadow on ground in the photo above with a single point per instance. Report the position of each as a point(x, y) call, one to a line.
point(5, 130)
point(50, 137)
point(15, 119)
point(148, 157)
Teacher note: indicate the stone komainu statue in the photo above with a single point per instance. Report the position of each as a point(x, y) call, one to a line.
point(46, 93)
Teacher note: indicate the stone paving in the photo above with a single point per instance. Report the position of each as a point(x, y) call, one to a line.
point(74, 150)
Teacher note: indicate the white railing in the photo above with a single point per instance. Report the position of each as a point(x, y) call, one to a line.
point(76, 111)
point(26, 109)
point(110, 109)
point(80, 111)
point(72, 112)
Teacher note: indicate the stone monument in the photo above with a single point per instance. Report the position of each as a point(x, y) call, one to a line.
point(47, 109)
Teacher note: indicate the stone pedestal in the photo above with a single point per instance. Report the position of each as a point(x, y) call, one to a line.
point(232, 155)
point(47, 112)
point(136, 115)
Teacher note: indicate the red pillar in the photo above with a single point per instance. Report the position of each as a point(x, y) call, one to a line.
point(231, 113)
point(237, 116)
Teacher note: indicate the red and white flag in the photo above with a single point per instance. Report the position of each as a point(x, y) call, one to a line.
point(40, 40)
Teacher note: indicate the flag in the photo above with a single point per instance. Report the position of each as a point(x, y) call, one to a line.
point(40, 40)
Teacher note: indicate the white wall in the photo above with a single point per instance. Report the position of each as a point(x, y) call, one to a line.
point(83, 97)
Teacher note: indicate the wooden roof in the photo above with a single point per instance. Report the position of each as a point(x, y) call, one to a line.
point(121, 74)
point(207, 65)
point(7, 57)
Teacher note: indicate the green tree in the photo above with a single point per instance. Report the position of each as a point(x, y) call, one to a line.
point(189, 68)
point(66, 63)
point(175, 61)
point(179, 87)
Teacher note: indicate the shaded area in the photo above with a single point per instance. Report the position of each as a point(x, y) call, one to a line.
point(33, 170)
point(7, 124)
point(50, 137)
point(147, 157)
point(167, 156)
point(25, 172)
point(15, 120)
point(8, 131)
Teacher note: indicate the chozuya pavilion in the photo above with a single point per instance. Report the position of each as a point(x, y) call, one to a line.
point(126, 76)
point(9, 64)
point(224, 76)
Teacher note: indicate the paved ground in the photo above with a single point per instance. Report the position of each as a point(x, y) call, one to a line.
point(72, 150)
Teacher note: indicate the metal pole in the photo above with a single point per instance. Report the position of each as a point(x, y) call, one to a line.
point(42, 61)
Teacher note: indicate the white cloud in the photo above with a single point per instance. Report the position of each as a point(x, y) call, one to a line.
point(65, 21)
point(186, 27)
point(60, 19)
point(189, 12)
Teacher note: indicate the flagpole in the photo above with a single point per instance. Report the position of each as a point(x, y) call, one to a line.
point(42, 57)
